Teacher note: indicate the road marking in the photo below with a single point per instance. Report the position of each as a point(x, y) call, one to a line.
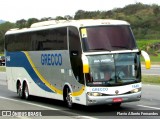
point(149, 107)
point(77, 116)
point(50, 108)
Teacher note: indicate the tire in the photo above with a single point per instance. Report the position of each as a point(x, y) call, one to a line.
point(19, 91)
point(116, 105)
point(68, 98)
point(26, 92)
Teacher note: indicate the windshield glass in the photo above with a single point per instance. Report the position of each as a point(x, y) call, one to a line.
point(114, 69)
point(100, 38)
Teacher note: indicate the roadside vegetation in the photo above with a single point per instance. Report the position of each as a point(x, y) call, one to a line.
point(144, 20)
point(148, 79)
point(152, 47)
point(2, 69)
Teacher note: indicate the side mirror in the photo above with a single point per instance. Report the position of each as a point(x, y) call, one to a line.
point(147, 59)
point(85, 64)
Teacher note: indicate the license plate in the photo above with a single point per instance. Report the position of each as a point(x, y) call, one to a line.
point(117, 99)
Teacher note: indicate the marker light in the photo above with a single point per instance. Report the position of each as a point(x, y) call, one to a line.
point(85, 64)
point(147, 59)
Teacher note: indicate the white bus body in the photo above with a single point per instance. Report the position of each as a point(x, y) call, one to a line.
point(68, 60)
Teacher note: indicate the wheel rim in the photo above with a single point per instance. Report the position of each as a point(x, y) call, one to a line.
point(19, 91)
point(26, 92)
point(69, 99)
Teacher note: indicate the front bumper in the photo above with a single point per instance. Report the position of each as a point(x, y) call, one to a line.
point(99, 100)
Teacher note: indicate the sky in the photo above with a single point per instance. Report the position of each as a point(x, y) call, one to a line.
point(13, 10)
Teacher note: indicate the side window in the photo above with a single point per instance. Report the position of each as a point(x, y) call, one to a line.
point(39, 38)
point(18, 42)
point(75, 54)
point(74, 39)
point(23, 42)
point(9, 40)
point(58, 38)
point(53, 39)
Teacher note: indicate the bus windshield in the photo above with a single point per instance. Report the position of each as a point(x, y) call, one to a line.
point(107, 38)
point(114, 69)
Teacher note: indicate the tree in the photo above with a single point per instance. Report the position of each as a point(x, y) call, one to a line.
point(21, 23)
point(3, 28)
point(79, 14)
point(68, 17)
point(46, 19)
point(59, 18)
point(31, 21)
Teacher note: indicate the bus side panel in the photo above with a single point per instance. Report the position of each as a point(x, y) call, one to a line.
point(54, 67)
point(46, 73)
point(10, 79)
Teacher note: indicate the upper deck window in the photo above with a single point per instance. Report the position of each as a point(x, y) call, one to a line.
point(107, 38)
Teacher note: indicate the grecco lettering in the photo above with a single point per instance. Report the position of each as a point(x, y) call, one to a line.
point(51, 59)
point(99, 89)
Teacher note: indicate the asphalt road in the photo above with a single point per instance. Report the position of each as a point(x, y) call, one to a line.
point(155, 70)
point(50, 108)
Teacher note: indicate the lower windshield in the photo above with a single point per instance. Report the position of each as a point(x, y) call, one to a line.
point(114, 69)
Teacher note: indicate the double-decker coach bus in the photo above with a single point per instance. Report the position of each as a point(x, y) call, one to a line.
point(87, 62)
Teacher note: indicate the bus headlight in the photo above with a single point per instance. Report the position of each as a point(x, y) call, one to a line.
point(94, 94)
point(136, 90)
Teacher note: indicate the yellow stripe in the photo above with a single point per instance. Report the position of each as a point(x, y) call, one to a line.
point(41, 77)
point(47, 83)
point(79, 92)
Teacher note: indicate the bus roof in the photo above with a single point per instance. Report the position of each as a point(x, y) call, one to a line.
point(62, 23)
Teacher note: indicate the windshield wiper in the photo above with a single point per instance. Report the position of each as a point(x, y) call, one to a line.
point(108, 83)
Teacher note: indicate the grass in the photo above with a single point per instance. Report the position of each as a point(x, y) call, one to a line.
point(2, 69)
point(142, 44)
point(154, 60)
point(148, 79)
point(1, 53)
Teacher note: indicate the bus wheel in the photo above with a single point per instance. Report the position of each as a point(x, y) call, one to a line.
point(69, 98)
point(26, 92)
point(116, 105)
point(19, 90)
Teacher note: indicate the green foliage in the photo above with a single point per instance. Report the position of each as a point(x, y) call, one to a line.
point(151, 79)
point(23, 23)
point(142, 44)
point(154, 59)
point(144, 20)
point(3, 28)
point(2, 69)
point(150, 46)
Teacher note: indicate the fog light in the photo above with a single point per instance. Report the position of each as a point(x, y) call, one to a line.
point(136, 90)
point(94, 94)
point(91, 101)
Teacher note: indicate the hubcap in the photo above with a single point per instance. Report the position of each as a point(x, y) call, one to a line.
point(26, 92)
point(19, 91)
point(69, 99)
